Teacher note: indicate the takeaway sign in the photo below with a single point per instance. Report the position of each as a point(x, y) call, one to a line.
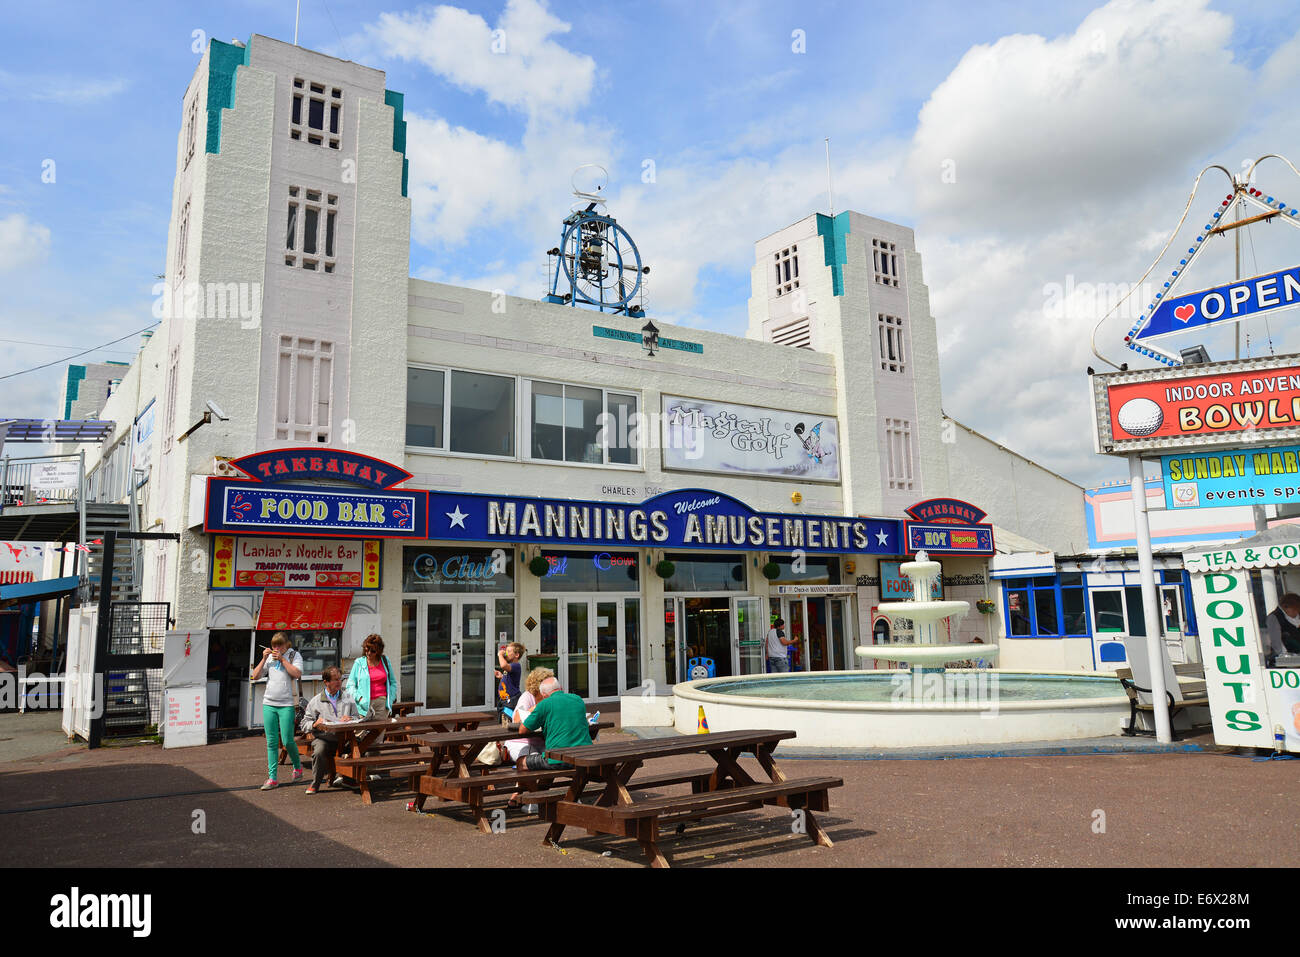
point(1223, 304)
point(1209, 404)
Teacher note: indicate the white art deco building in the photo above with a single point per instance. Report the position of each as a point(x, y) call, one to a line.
point(771, 471)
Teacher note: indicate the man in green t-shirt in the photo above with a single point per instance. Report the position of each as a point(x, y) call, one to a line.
point(562, 718)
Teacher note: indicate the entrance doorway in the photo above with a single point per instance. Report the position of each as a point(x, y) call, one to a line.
point(727, 631)
point(823, 626)
point(593, 644)
point(447, 654)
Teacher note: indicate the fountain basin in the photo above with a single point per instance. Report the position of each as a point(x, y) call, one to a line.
point(924, 611)
point(875, 709)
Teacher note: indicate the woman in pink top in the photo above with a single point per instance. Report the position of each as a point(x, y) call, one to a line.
point(372, 682)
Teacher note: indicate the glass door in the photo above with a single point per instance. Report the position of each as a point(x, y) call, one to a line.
point(435, 688)
point(839, 636)
point(576, 648)
point(795, 620)
point(473, 678)
point(1174, 623)
point(605, 649)
point(751, 632)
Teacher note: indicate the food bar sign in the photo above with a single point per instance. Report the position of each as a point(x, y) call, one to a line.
point(1211, 404)
point(251, 508)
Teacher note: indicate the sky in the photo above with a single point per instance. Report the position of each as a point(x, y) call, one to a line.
point(1043, 154)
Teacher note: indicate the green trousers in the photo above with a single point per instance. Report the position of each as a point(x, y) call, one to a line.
point(278, 723)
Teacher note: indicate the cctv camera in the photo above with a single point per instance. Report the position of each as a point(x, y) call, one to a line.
point(216, 410)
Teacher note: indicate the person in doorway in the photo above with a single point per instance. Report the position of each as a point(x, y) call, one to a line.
point(561, 719)
point(282, 665)
point(777, 643)
point(372, 681)
point(333, 704)
point(1284, 626)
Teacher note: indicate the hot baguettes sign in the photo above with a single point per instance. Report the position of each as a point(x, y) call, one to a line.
point(723, 437)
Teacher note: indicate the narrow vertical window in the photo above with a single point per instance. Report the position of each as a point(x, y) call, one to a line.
point(311, 223)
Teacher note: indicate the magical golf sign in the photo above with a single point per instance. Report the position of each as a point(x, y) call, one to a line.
point(1211, 404)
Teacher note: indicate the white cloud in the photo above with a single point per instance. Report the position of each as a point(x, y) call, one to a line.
point(516, 64)
point(59, 89)
point(23, 243)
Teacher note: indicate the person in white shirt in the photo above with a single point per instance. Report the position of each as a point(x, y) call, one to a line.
point(777, 642)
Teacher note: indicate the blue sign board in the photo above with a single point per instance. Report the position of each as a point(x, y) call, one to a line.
point(689, 518)
point(949, 539)
point(1221, 479)
point(1228, 303)
point(252, 508)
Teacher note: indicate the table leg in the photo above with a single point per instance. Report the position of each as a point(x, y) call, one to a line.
point(815, 830)
point(576, 788)
point(728, 768)
point(647, 835)
point(764, 754)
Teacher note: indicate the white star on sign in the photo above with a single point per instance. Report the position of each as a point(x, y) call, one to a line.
point(882, 537)
point(458, 518)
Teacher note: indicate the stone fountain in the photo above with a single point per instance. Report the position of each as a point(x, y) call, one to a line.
point(926, 614)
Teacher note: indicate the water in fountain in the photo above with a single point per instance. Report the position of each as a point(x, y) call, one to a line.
point(926, 615)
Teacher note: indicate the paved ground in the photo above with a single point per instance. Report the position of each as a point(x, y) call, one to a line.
point(136, 806)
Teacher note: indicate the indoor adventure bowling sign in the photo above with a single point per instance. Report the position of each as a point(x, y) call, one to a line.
point(1234, 403)
point(250, 508)
point(1233, 302)
point(1219, 479)
point(689, 518)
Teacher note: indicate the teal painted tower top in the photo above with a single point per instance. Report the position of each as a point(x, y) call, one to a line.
point(223, 59)
point(832, 231)
point(398, 102)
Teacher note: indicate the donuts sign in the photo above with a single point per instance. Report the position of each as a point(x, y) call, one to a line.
point(1226, 403)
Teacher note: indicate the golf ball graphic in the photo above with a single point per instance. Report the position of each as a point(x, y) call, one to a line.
point(1140, 417)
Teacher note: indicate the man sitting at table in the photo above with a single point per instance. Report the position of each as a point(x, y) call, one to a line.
point(562, 718)
point(333, 704)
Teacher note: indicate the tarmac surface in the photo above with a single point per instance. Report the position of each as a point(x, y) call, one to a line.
point(136, 806)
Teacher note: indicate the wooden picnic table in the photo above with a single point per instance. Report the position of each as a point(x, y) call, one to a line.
point(728, 788)
point(371, 747)
point(461, 748)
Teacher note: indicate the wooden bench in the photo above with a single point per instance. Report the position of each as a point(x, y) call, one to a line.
point(642, 819)
point(359, 769)
point(1194, 697)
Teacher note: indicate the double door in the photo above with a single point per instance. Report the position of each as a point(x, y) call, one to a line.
point(592, 643)
point(824, 629)
point(449, 650)
point(727, 631)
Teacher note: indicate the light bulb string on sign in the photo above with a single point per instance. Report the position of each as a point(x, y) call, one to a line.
point(1191, 197)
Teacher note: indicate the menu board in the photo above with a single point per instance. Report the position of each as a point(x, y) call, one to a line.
point(303, 609)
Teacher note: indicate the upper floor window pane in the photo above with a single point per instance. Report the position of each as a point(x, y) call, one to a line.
point(482, 414)
point(424, 407)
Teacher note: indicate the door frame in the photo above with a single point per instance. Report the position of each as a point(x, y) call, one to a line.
point(591, 599)
point(832, 636)
point(456, 603)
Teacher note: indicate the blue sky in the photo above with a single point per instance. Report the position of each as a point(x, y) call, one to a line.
point(1075, 129)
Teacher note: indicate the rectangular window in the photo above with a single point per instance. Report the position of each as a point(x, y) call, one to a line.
point(425, 390)
point(898, 444)
point(787, 270)
point(169, 409)
point(183, 241)
point(884, 259)
point(312, 127)
point(482, 413)
point(191, 130)
point(310, 225)
point(571, 423)
point(304, 390)
point(694, 572)
point(1051, 606)
point(890, 329)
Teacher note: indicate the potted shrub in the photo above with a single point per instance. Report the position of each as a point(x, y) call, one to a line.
point(771, 570)
point(539, 566)
point(665, 569)
point(984, 606)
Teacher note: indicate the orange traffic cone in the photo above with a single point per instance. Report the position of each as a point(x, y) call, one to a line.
point(701, 725)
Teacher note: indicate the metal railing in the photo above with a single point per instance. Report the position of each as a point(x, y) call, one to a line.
point(39, 480)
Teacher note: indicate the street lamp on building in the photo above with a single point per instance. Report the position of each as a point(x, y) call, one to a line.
point(649, 338)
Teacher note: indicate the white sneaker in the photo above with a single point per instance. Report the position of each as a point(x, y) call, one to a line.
point(531, 808)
